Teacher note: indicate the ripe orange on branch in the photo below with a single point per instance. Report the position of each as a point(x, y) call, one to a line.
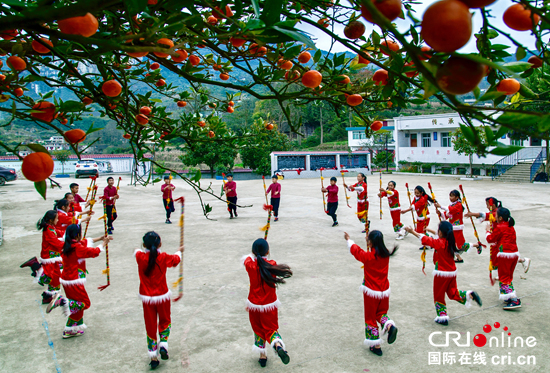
point(142, 119)
point(224, 76)
point(508, 86)
point(354, 30)
point(16, 63)
point(459, 75)
point(166, 43)
point(111, 88)
point(182, 56)
point(312, 79)
point(519, 18)
point(535, 61)
point(160, 83)
point(304, 57)
point(237, 42)
point(86, 25)
point(380, 77)
point(391, 9)
point(145, 110)
point(37, 166)
point(154, 66)
point(388, 45)
point(376, 125)
point(75, 136)
point(8, 34)
point(181, 103)
point(45, 111)
point(39, 48)
point(345, 79)
point(194, 60)
point(18, 91)
point(269, 126)
point(354, 100)
point(447, 25)
point(211, 134)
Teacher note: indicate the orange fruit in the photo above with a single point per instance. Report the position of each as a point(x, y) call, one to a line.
point(85, 26)
point(212, 105)
point(312, 79)
point(142, 119)
point(201, 123)
point(111, 88)
point(166, 43)
point(231, 103)
point(304, 57)
point(345, 79)
point(447, 25)
point(16, 63)
point(37, 166)
point(87, 101)
point(224, 76)
point(217, 12)
point(391, 9)
point(256, 50)
point(211, 134)
point(363, 60)
point(2, 77)
point(285, 65)
point(388, 45)
point(477, 3)
point(137, 54)
point(212, 20)
point(324, 22)
point(39, 48)
point(292, 75)
point(380, 77)
point(269, 126)
point(376, 125)
point(230, 109)
point(127, 136)
point(160, 83)
point(354, 100)
point(145, 110)
point(458, 75)
point(64, 121)
point(411, 74)
point(181, 103)
point(18, 92)
point(237, 42)
point(75, 136)
point(8, 34)
point(535, 61)
point(389, 104)
point(46, 111)
point(426, 53)
point(354, 30)
point(152, 2)
point(154, 66)
point(508, 86)
point(194, 60)
point(518, 18)
point(182, 56)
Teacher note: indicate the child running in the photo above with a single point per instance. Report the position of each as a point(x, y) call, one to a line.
point(262, 302)
point(167, 199)
point(503, 237)
point(445, 271)
point(420, 205)
point(395, 208)
point(230, 189)
point(454, 213)
point(362, 197)
point(275, 189)
point(154, 293)
point(332, 200)
point(73, 279)
point(375, 288)
point(110, 194)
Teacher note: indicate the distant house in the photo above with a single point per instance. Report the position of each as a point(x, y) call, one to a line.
point(55, 143)
point(357, 138)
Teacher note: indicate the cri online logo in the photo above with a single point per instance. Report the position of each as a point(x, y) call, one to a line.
point(481, 340)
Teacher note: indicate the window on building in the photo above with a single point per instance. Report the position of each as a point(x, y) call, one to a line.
point(535, 142)
point(516, 142)
point(359, 135)
point(445, 140)
point(426, 140)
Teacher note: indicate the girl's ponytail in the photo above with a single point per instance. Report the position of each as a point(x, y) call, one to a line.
point(46, 220)
point(494, 202)
point(72, 236)
point(447, 229)
point(423, 193)
point(151, 242)
point(504, 213)
point(377, 241)
point(271, 274)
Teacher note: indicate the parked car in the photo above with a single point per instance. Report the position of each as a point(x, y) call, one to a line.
point(7, 174)
point(86, 167)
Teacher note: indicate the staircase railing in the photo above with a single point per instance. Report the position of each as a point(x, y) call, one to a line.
point(537, 163)
point(510, 161)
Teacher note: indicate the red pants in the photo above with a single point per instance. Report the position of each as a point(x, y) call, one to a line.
point(376, 311)
point(53, 271)
point(396, 220)
point(265, 326)
point(157, 316)
point(420, 224)
point(506, 267)
point(459, 239)
point(78, 301)
point(442, 286)
point(361, 214)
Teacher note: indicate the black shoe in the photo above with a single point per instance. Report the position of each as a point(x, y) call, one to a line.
point(512, 305)
point(164, 353)
point(46, 298)
point(168, 221)
point(30, 262)
point(154, 364)
point(263, 362)
point(236, 215)
point(476, 298)
point(231, 217)
point(283, 355)
point(376, 351)
point(110, 231)
point(459, 260)
point(444, 322)
point(392, 334)
point(335, 224)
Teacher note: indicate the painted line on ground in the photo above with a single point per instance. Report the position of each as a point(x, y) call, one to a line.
point(50, 342)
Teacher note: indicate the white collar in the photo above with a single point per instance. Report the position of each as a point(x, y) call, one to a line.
point(61, 211)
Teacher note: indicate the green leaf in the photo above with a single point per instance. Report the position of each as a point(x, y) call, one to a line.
point(48, 95)
point(292, 52)
point(254, 24)
point(429, 89)
point(135, 6)
point(38, 148)
point(468, 133)
point(256, 6)
point(417, 101)
point(525, 119)
point(476, 92)
point(272, 10)
point(41, 187)
point(502, 149)
point(526, 92)
point(156, 100)
point(317, 56)
point(157, 180)
point(491, 95)
point(520, 53)
point(491, 34)
point(489, 133)
point(71, 106)
point(375, 38)
point(296, 35)
point(517, 66)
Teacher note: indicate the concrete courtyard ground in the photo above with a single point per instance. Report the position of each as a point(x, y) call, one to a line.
point(321, 318)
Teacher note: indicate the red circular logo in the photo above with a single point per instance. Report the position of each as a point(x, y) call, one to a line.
point(480, 340)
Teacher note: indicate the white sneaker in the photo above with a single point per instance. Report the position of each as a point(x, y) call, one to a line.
point(399, 236)
point(526, 263)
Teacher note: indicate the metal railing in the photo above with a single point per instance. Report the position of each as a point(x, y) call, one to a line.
point(506, 163)
point(539, 161)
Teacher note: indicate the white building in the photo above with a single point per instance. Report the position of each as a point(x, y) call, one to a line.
point(357, 139)
point(56, 143)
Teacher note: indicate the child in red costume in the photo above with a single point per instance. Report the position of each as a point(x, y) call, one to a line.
point(420, 204)
point(454, 214)
point(395, 208)
point(362, 197)
point(262, 302)
point(154, 293)
point(503, 236)
point(73, 278)
point(375, 288)
point(66, 217)
point(445, 271)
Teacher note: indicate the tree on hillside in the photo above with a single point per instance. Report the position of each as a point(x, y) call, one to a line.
point(62, 157)
point(257, 149)
point(214, 154)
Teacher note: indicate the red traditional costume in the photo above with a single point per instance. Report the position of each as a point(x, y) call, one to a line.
point(395, 208)
point(503, 238)
point(420, 205)
point(64, 220)
point(444, 277)
point(376, 292)
point(362, 200)
point(454, 213)
point(50, 258)
point(491, 217)
point(262, 305)
point(155, 296)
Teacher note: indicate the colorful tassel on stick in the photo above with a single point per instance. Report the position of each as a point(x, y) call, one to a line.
point(179, 282)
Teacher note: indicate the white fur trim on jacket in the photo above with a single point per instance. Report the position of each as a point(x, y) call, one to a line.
point(350, 243)
point(395, 208)
point(89, 242)
point(481, 217)
point(100, 247)
point(152, 353)
point(444, 208)
point(80, 261)
point(50, 260)
point(156, 299)
point(258, 349)
point(178, 253)
point(136, 251)
point(75, 328)
point(458, 227)
point(374, 293)
point(262, 307)
point(502, 254)
point(38, 275)
point(280, 341)
point(358, 189)
point(243, 258)
point(80, 281)
point(441, 318)
point(468, 303)
point(420, 218)
point(420, 235)
point(507, 296)
point(444, 273)
point(362, 200)
point(65, 308)
point(372, 342)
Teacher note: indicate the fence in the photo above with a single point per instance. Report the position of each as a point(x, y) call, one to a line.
point(510, 161)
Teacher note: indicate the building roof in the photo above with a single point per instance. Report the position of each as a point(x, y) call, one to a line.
point(84, 156)
point(364, 128)
point(341, 152)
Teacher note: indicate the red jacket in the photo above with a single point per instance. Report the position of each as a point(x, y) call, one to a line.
point(76, 207)
point(454, 213)
point(109, 193)
point(153, 288)
point(261, 296)
point(504, 238)
point(375, 281)
point(361, 189)
point(444, 261)
point(52, 244)
point(393, 199)
point(421, 207)
point(233, 186)
point(64, 220)
point(72, 273)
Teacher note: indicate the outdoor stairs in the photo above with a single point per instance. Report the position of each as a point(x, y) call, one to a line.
point(520, 173)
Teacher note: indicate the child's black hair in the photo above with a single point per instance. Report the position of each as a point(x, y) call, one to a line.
point(59, 204)
point(275, 177)
point(423, 193)
point(109, 178)
point(504, 213)
point(376, 239)
point(456, 193)
point(72, 236)
point(166, 177)
point(447, 229)
point(271, 274)
point(393, 182)
point(73, 185)
point(151, 242)
point(66, 195)
point(493, 201)
point(229, 175)
point(363, 176)
point(334, 179)
point(46, 220)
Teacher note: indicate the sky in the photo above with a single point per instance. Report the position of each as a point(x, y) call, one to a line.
point(497, 10)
